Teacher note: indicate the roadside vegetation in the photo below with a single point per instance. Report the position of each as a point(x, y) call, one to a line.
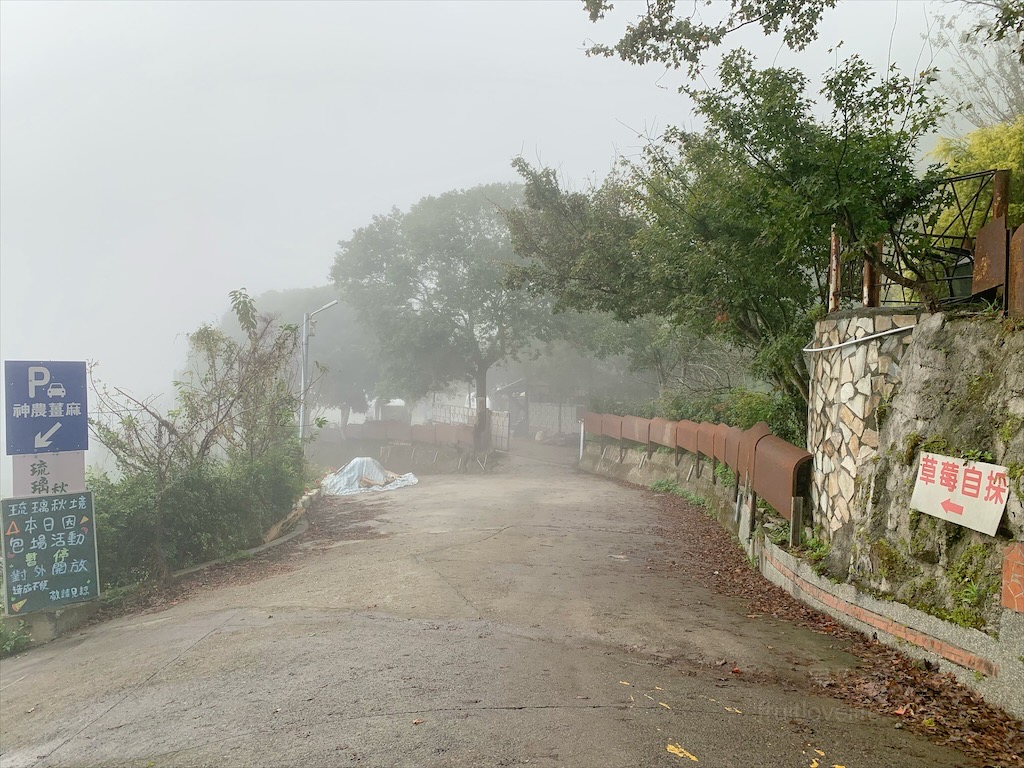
point(206, 476)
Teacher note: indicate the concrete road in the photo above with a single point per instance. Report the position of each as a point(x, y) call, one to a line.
point(499, 620)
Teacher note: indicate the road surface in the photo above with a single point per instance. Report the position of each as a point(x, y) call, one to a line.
point(506, 619)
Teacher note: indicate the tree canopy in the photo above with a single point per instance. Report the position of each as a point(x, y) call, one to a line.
point(430, 283)
point(676, 34)
point(726, 230)
point(342, 351)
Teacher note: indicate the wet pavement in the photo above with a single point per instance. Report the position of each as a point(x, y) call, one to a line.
point(472, 620)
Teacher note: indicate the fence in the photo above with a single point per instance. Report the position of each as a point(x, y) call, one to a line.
point(500, 422)
point(552, 418)
point(765, 465)
point(458, 435)
point(965, 250)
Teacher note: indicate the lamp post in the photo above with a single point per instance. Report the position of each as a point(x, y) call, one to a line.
point(303, 385)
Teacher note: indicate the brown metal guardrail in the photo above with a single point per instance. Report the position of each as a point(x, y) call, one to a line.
point(748, 444)
point(773, 469)
point(782, 476)
point(424, 433)
point(636, 429)
point(706, 439)
point(686, 435)
point(611, 426)
point(663, 432)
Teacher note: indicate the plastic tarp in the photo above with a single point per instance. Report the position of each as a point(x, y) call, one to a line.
point(362, 475)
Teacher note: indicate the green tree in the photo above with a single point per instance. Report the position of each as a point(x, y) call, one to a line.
point(234, 409)
point(430, 282)
point(998, 20)
point(999, 146)
point(579, 246)
point(343, 352)
point(856, 169)
point(675, 33)
point(726, 231)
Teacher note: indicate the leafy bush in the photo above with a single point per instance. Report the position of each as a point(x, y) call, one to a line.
point(214, 510)
point(14, 639)
point(739, 407)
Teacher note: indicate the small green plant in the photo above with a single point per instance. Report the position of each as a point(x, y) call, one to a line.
point(693, 498)
point(778, 534)
point(816, 551)
point(13, 639)
point(665, 486)
point(1013, 426)
point(910, 445)
point(977, 455)
point(726, 475)
point(671, 486)
point(935, 444)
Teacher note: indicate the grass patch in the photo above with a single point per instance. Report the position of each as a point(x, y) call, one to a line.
point(13, 640)
point(671, 486)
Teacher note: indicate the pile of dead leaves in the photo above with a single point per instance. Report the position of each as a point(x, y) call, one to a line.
point(920, 698)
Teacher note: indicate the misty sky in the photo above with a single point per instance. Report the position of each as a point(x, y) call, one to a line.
point(154, 156)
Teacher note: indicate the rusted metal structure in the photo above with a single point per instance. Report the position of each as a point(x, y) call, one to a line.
point(663, 432)
point(686, 436)
point(765, 465)
point(962, 253)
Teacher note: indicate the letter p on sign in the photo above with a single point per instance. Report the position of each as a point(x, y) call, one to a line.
point(38, 376)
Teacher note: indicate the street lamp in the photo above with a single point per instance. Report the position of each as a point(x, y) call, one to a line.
point(305, 364)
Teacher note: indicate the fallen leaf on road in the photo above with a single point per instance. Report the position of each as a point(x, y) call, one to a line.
point(675, 749)
point(737, 671)
point(666, 706)
point(418, 722)
point(623, 682)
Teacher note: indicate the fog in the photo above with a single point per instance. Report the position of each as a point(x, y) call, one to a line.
point(155, 156)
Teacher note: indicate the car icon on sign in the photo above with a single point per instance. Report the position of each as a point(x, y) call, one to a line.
point(56, 389)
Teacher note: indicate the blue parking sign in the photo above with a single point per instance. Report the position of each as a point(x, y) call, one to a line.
point(46, 406)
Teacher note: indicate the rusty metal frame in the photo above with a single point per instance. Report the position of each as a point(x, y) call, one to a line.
point(950, 251)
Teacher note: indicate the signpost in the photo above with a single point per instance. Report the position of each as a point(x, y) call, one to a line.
point(46, 407)
point(49, 545)
point(48, 532)
point(968, 493)
point(37, 474)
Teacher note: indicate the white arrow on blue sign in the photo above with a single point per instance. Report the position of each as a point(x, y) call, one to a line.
point(46, 406)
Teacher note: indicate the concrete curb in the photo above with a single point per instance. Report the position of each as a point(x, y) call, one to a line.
point(994, 667)
point(46, 626)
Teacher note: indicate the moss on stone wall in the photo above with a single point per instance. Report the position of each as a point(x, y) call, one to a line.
point(958, 391)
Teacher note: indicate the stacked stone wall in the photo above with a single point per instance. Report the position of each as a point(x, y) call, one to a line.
point(954, 385)
point(848, 384)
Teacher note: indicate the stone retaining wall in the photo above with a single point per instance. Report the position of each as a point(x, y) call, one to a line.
point(847, 386)
point(991, 665)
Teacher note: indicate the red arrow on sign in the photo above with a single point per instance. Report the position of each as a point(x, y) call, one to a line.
point(952, 507)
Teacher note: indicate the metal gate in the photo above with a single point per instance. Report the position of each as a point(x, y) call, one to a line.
point(500, 429)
